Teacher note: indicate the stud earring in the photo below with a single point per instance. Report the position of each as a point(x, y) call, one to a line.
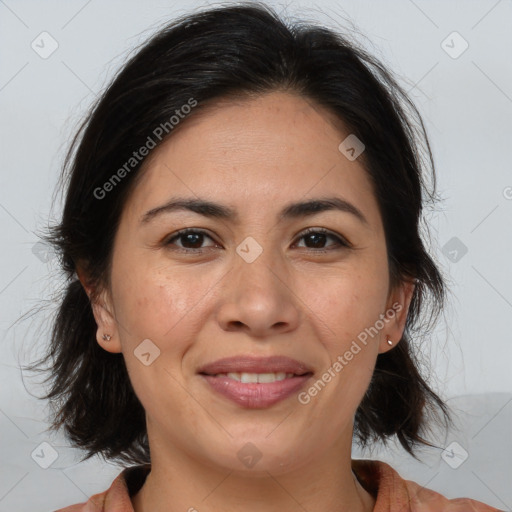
point(106, 337)
point(390, 342)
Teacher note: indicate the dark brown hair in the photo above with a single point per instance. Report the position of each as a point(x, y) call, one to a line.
point(223, 53)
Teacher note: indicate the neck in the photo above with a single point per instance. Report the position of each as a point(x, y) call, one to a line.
point(178, 482)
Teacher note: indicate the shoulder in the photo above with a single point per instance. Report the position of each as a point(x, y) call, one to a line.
point(117, 496)
point(392, 492)
point(95, 503)
point(426, 500)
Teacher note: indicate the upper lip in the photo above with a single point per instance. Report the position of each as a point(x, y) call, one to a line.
point(250, 364)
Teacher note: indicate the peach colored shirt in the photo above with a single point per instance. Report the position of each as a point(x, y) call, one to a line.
point(391, 492)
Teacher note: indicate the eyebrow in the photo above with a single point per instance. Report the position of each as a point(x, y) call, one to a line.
point(220, 211)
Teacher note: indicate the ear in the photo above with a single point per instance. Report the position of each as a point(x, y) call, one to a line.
point(103, 312)
point(399, 302)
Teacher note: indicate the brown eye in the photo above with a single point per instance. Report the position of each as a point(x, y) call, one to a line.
point(191, 239)
point(318, 237)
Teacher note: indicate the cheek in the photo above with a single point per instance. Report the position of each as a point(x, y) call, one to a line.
point(152, 306)
point(346, 313)
point(155, 303)
point(348, 303)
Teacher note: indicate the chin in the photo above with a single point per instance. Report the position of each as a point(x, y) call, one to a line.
point(259, 456)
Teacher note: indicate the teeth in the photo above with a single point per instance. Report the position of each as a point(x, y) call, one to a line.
point(269, 377)
point(256, 377)
point(249, 377)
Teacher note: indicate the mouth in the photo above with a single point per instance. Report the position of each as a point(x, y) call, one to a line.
point(257, 378)
point(256, 382)
point(250, 365)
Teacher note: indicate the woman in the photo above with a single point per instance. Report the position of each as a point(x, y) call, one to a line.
point(241, 233)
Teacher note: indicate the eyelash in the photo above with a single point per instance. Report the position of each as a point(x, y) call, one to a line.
point(342, 242)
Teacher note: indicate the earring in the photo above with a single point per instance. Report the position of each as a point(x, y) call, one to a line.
point(106, 337)
point(390, 342)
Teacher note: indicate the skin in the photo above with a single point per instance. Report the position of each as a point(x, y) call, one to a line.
point(296, 299)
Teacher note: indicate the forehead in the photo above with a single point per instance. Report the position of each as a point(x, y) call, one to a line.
point(252, 154)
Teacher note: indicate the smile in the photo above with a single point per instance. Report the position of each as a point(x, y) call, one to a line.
point(256, 377)
point(256, 390)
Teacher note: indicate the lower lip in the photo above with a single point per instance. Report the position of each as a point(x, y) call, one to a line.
point(255, 395)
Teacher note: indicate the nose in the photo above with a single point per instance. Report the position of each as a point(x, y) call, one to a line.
point(258, 298)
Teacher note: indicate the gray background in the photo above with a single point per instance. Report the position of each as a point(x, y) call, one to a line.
point(465, 98)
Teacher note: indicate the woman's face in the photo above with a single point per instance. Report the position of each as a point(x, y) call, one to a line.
point(249, 282)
